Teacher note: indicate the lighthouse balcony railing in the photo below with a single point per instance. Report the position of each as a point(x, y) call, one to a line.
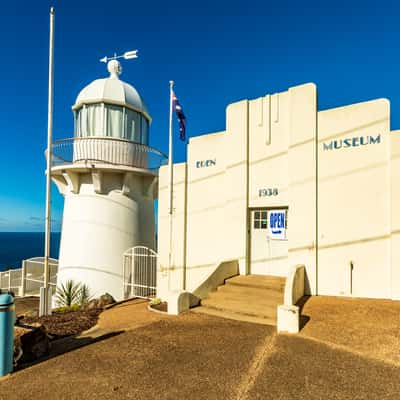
point(106, 150)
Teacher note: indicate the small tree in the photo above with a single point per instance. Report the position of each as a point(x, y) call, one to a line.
point(84, 295)
point(68, 294)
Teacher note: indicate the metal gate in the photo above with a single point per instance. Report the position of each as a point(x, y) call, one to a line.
point(140, 272)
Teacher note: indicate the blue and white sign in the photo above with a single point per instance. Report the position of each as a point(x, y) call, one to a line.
point(277, 224)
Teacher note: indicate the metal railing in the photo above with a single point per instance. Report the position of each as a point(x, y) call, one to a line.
point(28, 280)
point(106, 150)
point(140, 272)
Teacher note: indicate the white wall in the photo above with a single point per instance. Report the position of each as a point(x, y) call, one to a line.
point(99, 227)
point(395, 211)
point(171, 279)
point(354, 193)
point(341, 202)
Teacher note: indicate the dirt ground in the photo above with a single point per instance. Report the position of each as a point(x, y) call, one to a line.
point(58, 324)
point(61, 324)
point(347, 350)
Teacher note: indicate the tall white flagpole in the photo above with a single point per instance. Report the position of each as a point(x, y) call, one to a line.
point(45, 298)
point(170, 174)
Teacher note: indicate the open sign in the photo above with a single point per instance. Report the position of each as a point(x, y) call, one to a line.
point(277, 224)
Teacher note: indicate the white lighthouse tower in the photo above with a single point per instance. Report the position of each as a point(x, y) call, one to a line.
point(108, 176)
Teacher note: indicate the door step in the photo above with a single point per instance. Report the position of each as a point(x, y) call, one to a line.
point(258, 281)
point(252, 298)
point(233, 315)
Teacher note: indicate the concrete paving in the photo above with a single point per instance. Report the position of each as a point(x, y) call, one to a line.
point(196, 356)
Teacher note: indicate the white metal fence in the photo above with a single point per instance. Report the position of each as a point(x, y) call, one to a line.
point(140, 272)
point(26, 281)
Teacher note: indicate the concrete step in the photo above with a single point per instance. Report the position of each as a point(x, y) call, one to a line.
point(247, 297)
point(242, 306)
point(234, 315)
point(251, 292)
point(252, 298)
point(258, 281)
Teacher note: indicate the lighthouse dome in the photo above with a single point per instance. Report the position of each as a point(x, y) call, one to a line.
point(111, 91)
point(111, 107)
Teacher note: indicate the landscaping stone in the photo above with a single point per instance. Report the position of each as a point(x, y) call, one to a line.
point(32, 340)
point(105, 300)
point(93, 304)
point(102, 302)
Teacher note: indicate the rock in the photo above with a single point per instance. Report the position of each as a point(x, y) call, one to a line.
point(17, 351)
point(92, 304)
point(105, 300)
point(102, 302)
point(32, 340)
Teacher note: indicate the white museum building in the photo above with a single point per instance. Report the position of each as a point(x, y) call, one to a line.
point(283, 186)
point(286, 198)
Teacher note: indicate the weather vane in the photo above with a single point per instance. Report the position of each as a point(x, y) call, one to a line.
point(113, 65)
point(127, 56)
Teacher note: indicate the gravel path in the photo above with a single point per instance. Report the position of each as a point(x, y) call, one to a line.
point(364, 326)
point(195, 356)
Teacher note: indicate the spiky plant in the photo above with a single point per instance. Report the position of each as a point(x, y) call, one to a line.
point(68, 294)
point(84, 295)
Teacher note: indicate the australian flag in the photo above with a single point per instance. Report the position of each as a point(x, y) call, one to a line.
point(180, 115)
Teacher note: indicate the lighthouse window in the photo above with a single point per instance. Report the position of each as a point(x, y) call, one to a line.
point(132, 126)
point(114, 121)
point(81, 122)
point(144, 130)
point(89, 121)
point(94, 120)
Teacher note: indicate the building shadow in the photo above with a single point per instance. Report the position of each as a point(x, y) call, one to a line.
point(303, 318)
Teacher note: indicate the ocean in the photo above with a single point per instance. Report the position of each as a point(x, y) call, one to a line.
point(18, 246)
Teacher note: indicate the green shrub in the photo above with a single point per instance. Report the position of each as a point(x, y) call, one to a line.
point(72, 294)
point(73, 307)
point(84, 295)
point(156, 301)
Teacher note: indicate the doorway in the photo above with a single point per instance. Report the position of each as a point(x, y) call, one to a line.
point(269, 241)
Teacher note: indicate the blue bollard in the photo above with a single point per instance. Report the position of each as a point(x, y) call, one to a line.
point(7, 318)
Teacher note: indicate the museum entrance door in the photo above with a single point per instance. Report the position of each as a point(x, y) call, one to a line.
point(268, 241)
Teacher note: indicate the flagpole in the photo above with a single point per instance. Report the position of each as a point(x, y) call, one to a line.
point(45, 297)
point(170, 175)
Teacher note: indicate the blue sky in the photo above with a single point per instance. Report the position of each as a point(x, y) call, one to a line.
point(217, 52)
